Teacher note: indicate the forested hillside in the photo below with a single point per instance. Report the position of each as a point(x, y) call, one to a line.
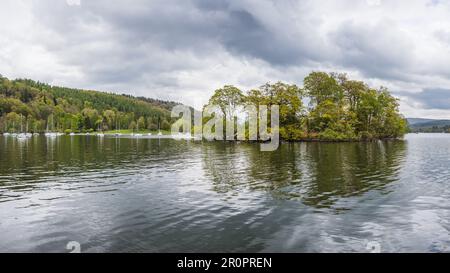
point(429, 125)
point(27, 104)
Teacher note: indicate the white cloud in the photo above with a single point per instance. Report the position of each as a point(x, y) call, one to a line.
point(73, 2)
point(373, 2)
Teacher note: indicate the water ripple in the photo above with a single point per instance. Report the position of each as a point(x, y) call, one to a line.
point(146, 195)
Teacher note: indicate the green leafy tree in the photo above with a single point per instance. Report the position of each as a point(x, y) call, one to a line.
point(228, 99)
point(289, 98)
point(321, 86)
point(141, 123)
point(110, 118)
point(90, 118)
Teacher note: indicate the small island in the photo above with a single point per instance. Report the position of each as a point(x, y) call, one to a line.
point(329, 107)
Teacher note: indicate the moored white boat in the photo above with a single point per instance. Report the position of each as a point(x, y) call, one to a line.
point(22, 136)
point(182, 136)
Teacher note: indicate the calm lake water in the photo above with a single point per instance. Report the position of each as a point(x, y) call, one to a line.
point(150, 195)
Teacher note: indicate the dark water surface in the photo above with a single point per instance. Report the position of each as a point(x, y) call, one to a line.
point(150, 195)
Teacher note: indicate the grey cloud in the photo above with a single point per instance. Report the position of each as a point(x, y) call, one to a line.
point(202, 27)
point(443, 36)
point(246, 35)
point(141, 30)
point(379, 51)
point(431, 98)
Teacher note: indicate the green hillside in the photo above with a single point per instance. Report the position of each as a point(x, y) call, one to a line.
point(39, 106)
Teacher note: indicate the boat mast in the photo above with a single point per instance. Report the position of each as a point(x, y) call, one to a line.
point(159, 124)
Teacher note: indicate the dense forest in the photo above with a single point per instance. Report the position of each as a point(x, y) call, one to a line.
point(328, 107)
point(27, 105)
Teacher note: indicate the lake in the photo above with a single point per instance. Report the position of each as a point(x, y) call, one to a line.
point(162, 195)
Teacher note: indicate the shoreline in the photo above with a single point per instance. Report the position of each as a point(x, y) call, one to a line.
point(166, 135)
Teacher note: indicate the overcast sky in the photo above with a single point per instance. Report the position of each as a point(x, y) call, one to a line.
point(184, 50)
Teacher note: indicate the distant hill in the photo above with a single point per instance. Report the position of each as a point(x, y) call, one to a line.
point(413, 121)
point(429, 125)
